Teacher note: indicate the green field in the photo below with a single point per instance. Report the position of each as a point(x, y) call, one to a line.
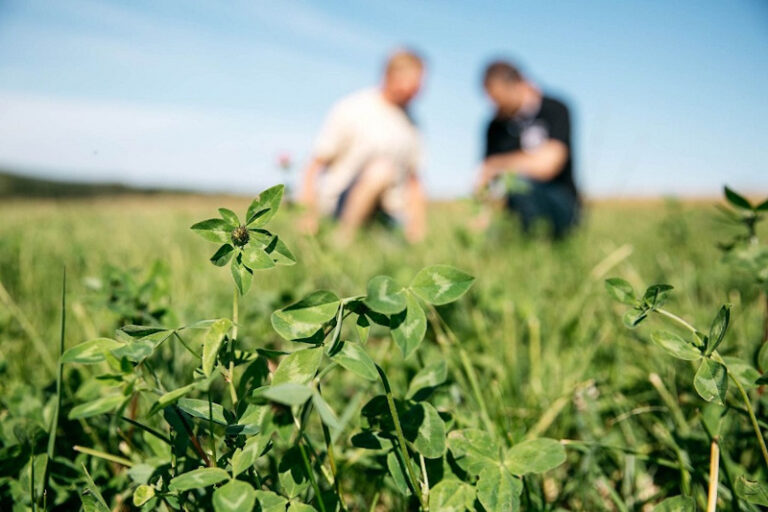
point(544, 341)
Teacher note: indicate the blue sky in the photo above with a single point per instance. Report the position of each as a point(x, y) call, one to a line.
point(668, 97)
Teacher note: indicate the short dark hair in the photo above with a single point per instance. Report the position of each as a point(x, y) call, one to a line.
point(501, 70)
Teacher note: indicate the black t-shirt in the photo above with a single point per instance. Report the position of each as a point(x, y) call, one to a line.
point(552, 121)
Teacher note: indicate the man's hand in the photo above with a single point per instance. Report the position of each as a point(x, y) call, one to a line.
point(489, 170)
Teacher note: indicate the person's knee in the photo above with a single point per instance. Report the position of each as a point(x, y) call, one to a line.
point(379, 174)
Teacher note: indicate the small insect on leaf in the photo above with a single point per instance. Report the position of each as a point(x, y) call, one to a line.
point(718, 329)
point(736, 199)
point(621, 291)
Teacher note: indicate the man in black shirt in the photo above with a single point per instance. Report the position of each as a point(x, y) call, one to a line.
point(530, 137)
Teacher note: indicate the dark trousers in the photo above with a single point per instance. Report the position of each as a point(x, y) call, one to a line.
point(554, 204)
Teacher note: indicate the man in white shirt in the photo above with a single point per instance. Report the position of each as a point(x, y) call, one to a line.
point(367, 156)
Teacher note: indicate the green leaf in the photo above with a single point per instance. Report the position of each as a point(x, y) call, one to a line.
point(265, 206)
point(291, 473)
point(762, 207)
point(212, 343)
point(92, 495)
point(143, 494)
point(676, 346)
point(535, 456)
point(234, 496)
point(245, 457)
point(304, 318)
point(428, 377)
point(711, 381)
point(222, 256)
point(656, 294)
point(214, 230)
point(762, 358)
point(409, 327)
point(172, 397)
point(90, 352)
point(242, 275)
point(279, 252)
point(324, 410)
point(498, 490)
point(441, 284)
point(98, 406)
point(676, 504)
point(742, 371)
point(230, 217)
point(633, 317)
point(736, 199)
point(200, 409)
point(271, 502)
point(295, 506)
point(363, 328)
point(298, 367)
point(473, 449)
point(398, 473)
point(198, 478)
point(256, 258)
point(430, 438)
point(451, 496)
point(621, 291)
point(385, 295)
point(752, 492)
point(354, 358)
point(288, 393)
point(718, 329)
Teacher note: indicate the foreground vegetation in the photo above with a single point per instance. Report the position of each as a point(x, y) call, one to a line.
point(534, 351)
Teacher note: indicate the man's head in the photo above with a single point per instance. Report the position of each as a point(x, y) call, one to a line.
point(403, 75)
point(505, 86)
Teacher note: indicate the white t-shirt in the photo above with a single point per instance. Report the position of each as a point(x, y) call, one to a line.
point(360, 128)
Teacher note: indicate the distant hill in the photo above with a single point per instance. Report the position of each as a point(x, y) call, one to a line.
point(18, 186)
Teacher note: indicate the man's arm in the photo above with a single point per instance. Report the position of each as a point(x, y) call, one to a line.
point(543, 163)
point(416, 210)
point(308, 195)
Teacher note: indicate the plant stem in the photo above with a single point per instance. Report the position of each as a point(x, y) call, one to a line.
point(714, 466)
point(59, 373)
point(468, 369)
point(332, 462)
point(311, 475)
point(676, 318)
point(401, 438)
point(32, 479)
point(103, 455)
point(210, 426)
point(235, 308)
point(752, 418)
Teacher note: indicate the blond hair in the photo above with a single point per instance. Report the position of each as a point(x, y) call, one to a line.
point(403, 58)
